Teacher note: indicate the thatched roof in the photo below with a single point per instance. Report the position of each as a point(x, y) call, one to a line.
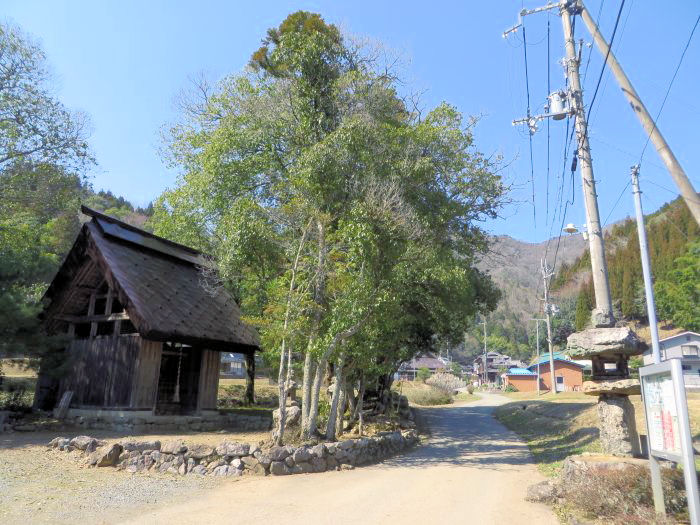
point(160, 284)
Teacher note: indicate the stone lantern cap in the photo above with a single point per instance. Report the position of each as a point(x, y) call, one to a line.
point(622, 387)
point(604, 342)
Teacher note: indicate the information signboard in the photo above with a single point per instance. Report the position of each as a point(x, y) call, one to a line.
point(668, 429)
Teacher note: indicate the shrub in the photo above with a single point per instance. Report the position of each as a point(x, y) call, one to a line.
point(445, 382)
point(423, 374)
point(511, 388)
point(470, 389)
point(428, 396)
point(624, 496)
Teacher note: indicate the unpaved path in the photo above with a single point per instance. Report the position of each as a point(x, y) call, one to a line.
point(472, 470)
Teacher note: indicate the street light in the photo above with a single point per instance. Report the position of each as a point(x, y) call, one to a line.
point(571, 229)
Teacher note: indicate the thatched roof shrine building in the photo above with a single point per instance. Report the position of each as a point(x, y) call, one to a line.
point(145, 334)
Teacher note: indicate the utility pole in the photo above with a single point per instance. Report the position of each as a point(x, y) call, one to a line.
point(646, 265)
point(486, 370)
point(562, 104)
point(537, 324)
point(547, 272)
point(603, 314)
point(674, 167)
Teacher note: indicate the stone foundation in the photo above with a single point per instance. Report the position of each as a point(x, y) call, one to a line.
point(237, 459)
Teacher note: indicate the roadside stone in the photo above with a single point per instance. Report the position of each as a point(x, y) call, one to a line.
point(173, 447)
point(289, 461)
point(86, 443)
point(141, 446)
point(346, 466)
point(263, 459)
point(301, 454)
point(199, 451)
point(238, 464)
point(280, 453)
point(346, 445)
point(199, 470)
point(319, 464)
point(258, 470)
point(331, 463)
point(221, 470)
point(253, 448)
point(106, 456)
point(305, 467)
point(279, 468)
point(230, 448)
point(248, 461)
point(543, 492)
point(59, 442)
point(182, 469)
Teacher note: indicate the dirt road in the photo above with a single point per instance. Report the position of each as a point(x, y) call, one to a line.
point(472, 470)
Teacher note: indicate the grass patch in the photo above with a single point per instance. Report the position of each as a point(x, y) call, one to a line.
point(17, 393)
point(466, 396)
point(421, 394)
point(553, 426)
point(232, 394)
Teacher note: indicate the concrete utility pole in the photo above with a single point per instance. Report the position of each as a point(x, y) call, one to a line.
point(486, 370)
point(537, 324)
point(681, 179)
point(646, 265)
point(547, 272)
point(603, 313)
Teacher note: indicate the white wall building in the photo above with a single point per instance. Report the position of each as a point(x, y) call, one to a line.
point(686, 346)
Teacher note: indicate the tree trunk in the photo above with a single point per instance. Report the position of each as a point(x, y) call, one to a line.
point(342, 405)
point(360, 398)
point(285, 373)
point(335, 401)
point(250, 379)
point(306, 389)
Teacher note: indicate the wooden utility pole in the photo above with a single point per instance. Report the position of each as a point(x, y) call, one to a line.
point(537, 325)
point(690, 196)
point(547, 272)
point(603, 313)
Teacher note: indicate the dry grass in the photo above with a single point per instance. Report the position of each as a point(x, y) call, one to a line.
point(558, 425)
point(16, 368)
point(467, 397)
point(419, 393)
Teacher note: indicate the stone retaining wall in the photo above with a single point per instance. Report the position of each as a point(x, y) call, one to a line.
point(236, 459)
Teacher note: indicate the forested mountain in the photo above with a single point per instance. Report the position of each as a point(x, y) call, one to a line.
point(515, 268)
point(672, 237)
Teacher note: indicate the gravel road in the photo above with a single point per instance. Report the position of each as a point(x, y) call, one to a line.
point(472, 470)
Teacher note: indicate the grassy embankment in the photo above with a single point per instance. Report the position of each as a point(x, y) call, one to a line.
point(418, 393)
point(557, 426)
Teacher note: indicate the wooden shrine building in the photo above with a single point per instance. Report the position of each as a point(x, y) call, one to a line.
point(145, 335)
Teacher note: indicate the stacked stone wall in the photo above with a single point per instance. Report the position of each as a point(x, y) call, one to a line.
point(236, 459)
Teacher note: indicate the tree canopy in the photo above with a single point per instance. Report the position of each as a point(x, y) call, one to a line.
point(346, 223)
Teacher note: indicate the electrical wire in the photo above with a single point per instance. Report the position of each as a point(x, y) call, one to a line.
point(532, 163)
point(590, 50)
point(616, 202)
point(668, 89)
point(549, 90)
point(605, 62)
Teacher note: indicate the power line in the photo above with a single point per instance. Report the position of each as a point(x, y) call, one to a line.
point(616, 202)
point(532, 163)
point(590, 50)
point(546, 216)
point(605, 62)
point(670, 84)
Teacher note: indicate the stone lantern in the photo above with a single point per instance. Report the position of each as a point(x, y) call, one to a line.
point(609, 350)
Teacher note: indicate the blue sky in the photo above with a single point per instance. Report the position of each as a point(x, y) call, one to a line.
point(125, 62)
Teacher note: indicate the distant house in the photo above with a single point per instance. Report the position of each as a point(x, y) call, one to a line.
point(232, 366)
point(409, 369)
point(686, 346)
point(496, 363)
point(522, 379)
point(568, 374)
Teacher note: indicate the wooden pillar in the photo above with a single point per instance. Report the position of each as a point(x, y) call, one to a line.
point(250, 378)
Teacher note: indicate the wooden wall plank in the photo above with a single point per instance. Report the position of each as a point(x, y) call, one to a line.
point(145, 374)
point(209, 380)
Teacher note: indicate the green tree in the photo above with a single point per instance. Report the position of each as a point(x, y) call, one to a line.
point(584, 306)
point(423, 374)
point(678, 296)
point(346, 224)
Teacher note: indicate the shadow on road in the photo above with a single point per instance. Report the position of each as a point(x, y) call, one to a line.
point(465, 436)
